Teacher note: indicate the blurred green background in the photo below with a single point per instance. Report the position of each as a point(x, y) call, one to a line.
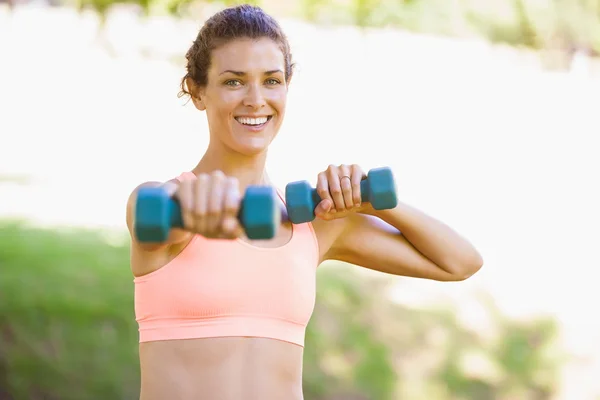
point(68, 332)
point(486, 111)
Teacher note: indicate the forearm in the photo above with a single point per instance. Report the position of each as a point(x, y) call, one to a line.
point(432, 238)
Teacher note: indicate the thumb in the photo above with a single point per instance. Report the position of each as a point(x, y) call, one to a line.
point(323, 207)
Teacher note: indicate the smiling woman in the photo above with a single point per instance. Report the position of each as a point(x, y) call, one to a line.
point(222, 316)
point(223, 319)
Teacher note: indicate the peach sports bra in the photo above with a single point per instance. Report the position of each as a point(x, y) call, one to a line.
point(220, 288)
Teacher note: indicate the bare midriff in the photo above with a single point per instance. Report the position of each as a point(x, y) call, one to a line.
point(226, 368)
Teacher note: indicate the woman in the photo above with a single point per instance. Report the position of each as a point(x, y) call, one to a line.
point(223, 317)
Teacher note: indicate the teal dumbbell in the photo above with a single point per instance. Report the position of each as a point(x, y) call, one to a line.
point(379, 189)
point(156, 213)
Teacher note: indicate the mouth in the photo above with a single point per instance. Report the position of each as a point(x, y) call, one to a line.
point(254, 123)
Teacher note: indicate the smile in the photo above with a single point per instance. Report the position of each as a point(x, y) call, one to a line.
point(254, 122)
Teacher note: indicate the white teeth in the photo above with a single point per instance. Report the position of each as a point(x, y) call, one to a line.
point(251, 121)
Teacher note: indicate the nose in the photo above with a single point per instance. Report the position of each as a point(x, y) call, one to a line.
point(255, 97)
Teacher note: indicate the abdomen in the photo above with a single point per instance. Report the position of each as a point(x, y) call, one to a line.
point(221, 369)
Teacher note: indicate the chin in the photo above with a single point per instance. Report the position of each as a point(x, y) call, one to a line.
point(252, 149)
point(251, 145)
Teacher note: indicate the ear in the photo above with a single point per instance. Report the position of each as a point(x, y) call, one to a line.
point(197, 94)
point(198, 102)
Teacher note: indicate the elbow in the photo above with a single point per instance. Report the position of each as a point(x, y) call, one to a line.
point(466, 268)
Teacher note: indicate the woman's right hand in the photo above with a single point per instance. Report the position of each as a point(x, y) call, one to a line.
point(210, 205)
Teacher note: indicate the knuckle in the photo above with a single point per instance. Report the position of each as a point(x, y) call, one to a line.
point(233, 196)
point(214, 209)
point(200, 207)
point(185, 203)
point(322, 184)
point(322, 191)
point(187, 216)
point(218, 174)
point(336, 190)
point(231, 207)
point(231, 210)
point(232, 181)
point(201, 183)
point(202, 178)
point(183, 187)
point(198, 215)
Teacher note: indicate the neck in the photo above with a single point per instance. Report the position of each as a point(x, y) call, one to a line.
point(249, 170)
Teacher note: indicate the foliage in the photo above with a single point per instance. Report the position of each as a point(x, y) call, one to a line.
point(68, 332)
point(555, 25)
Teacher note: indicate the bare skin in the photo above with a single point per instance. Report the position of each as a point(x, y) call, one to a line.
point(221, 369)
point(402, 241)
point(228, 368)
point(217, 368)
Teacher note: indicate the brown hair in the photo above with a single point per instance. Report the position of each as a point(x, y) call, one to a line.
point(243, 21)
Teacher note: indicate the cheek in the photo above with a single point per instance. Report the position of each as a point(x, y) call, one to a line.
point(280, 101)
point(223, 107)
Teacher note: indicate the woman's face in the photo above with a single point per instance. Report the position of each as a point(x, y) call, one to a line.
point(246, 93)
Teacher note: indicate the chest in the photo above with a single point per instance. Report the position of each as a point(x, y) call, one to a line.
point(234, 277)
point(283, 237)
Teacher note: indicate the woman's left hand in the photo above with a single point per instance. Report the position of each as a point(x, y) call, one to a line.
point(339, 189)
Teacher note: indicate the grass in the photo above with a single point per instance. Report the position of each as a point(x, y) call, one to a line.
point(66, 316)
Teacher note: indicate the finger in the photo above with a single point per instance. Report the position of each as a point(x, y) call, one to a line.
point(184, 196)
point(333, 178)
point(357, 177)
point(215, 203)
point(326, 203)
point(201, 190)
point(230, 225)
point(346, 185)
point(231, 228)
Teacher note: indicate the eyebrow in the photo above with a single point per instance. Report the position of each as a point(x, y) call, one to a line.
point(240, 73)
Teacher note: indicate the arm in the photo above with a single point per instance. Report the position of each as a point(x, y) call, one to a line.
point(403, 241)
point(176, 236)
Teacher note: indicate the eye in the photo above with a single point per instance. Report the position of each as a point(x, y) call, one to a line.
point(273, 81)
point(232, 82)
